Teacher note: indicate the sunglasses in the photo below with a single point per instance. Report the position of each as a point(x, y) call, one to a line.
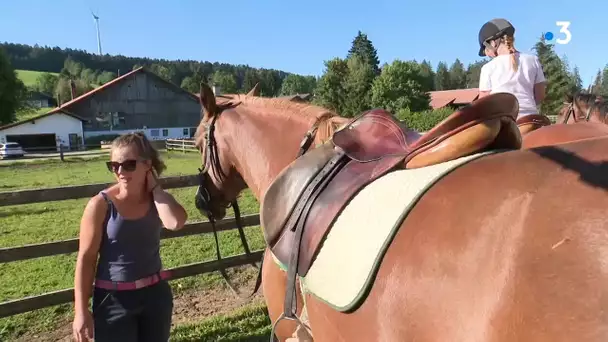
point(127, 165)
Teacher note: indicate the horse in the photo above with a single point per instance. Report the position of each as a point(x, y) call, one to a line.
point(586, 111)
point(522, 257)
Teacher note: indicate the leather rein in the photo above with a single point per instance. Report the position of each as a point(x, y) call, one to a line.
point(203, 199)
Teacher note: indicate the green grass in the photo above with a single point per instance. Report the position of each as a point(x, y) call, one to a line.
point(53, 221)
point(29, 77)
point(248, 324)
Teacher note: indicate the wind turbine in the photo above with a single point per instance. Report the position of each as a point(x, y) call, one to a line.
point(96, 18)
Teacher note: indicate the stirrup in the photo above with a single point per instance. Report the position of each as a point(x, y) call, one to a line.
point(274, 338)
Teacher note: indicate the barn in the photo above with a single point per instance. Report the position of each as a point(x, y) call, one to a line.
point(46, 131)
point(136, 101)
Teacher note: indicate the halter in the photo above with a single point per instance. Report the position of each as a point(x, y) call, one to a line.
point(203, 199)
point(571, 109)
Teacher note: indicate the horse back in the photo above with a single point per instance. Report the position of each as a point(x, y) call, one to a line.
point(510, 247)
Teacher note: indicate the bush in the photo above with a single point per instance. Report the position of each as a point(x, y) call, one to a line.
point(423, 121)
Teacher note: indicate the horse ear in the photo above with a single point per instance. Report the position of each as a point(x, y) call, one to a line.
point(207, 101)
point(255, 91)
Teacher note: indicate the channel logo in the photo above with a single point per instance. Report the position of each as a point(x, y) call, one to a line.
point(564, 28)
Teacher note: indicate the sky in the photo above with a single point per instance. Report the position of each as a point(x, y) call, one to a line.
point(296, 36)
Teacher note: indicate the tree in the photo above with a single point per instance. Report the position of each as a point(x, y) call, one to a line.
point(442, 77)
point(577, 82)
point(298, 84)
point(473, 72)
point(331, 92)
point(429, 75)
point(358, 86)
point(558, 83)
point(105, 77)
point(12, 91)
point(596, 87)
point(226, 81)
point(46, 83)
point(364, 48)
point(250, 80)
point(458, 77)
point(400, 86)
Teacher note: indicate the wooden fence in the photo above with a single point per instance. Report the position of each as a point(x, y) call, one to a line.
point(184, 145)
point(11, 254)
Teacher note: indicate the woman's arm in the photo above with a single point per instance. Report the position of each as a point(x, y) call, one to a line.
point(485, 86)
point(171, 213)
point(539, 92)
point(88, 249)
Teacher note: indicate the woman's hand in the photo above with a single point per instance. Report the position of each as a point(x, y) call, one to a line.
point(82, 327)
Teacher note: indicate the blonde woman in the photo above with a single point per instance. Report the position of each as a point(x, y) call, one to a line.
point(119, 252)
point(510, 71)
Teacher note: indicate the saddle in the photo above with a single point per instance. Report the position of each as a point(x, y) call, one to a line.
point(529, 123)
point(310, 192)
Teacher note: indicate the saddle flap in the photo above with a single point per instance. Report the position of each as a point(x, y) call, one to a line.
point(374, 134)
point(285, 191)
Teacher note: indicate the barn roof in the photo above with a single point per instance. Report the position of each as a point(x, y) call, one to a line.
point(443, 98)
point(38, 117)
point(118, 80)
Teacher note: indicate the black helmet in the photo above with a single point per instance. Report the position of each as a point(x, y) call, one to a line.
point(493, 29)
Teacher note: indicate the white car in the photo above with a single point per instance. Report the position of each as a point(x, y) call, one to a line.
point(10, 149)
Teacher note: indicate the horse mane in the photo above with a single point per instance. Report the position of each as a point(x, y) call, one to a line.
point(592, 100)
point(328, 120)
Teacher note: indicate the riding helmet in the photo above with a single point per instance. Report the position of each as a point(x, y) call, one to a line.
point(493, 29)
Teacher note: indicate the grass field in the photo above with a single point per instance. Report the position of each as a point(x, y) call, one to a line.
point(53, 221)
point(29, 77)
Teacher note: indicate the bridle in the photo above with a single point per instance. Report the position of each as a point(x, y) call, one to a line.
point(203, 199)
point(571, 110)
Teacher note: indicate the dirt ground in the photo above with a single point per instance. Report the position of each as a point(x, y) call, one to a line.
point(189, 306)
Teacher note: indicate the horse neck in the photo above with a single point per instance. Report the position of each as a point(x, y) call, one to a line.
point(263, 144)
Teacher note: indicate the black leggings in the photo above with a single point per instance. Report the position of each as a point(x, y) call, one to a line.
point(133, 316)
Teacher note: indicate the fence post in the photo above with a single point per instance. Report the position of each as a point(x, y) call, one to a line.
point(61, 152)
point(183, 146)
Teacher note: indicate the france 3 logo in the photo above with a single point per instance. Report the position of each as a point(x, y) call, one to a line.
point(564, 28)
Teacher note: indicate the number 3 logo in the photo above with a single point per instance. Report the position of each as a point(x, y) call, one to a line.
point(564, 29)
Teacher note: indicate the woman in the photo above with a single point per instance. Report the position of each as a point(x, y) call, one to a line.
point(509, 70)
point(132, 301)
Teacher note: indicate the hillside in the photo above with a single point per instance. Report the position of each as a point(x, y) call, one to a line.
point(184, 73)
point(29, 77)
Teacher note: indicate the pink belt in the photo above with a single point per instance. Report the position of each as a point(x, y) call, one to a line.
point(138, 284)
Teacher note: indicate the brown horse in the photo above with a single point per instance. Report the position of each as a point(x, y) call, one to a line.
point(521, 258)
point(586, 111)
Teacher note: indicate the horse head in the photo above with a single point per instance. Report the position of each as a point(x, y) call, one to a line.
point(246, 140)
point(583, 107)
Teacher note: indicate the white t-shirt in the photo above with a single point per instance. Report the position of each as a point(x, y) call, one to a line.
point(498, 76)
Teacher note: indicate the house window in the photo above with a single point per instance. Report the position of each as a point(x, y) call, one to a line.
point(185, 131)
point(165, 132)
point(154, 132)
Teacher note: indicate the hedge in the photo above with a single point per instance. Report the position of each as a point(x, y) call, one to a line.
point(423, 121)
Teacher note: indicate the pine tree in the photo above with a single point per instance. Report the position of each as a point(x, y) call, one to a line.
point(458, 77)
point(442, 77)
point(558, 83)
point(473, 72)
point(363, 47)
point(429, 75)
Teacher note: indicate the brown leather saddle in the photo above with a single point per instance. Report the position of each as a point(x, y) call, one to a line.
point(301, 204)
point(529, 123)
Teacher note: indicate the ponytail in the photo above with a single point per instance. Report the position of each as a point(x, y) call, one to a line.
point(509, 43)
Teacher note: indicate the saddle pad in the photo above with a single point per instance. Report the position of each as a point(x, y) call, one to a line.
point(347, 262)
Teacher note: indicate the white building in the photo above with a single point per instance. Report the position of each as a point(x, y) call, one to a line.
point(46, 132)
